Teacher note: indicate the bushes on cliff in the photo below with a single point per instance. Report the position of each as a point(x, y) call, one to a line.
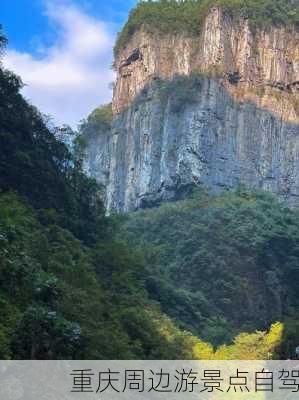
point(163, 15)
point(187, 16)
point(98, 121)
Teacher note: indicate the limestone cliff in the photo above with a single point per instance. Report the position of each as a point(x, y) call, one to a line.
point(216, 110)
point(225, 48)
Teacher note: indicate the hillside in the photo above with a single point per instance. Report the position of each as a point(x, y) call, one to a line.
point(221, 265)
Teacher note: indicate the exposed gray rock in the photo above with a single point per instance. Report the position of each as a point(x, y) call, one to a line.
point(237, 125)
point(97, 156)
point(169, 141)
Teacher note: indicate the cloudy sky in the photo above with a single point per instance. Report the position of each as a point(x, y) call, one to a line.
point(62, 49)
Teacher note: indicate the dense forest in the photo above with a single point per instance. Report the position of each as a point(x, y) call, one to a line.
point(77, 284)
point(221, 265)
point(187, 16)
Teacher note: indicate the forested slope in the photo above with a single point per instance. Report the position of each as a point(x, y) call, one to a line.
point(221, 265)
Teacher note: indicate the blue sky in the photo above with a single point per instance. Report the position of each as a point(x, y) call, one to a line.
point(62, 49)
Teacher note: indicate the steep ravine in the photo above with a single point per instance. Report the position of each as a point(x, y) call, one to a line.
point(214, 111)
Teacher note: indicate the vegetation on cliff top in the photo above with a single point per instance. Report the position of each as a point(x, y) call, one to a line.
point(99, 120)
point(188, 15)
point(96, 124)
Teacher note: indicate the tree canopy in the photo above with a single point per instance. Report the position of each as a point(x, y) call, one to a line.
point(220, 265)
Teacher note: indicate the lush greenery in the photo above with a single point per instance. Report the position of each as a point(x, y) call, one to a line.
point(187, 16)
point(41, 168)
point(99, 120)
point(60, 299)
point(219, 266)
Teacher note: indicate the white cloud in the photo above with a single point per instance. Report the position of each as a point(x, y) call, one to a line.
point(70, 78)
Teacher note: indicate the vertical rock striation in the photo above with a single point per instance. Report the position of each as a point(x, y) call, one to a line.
point(214, 111)
point(162, 148)
point(98, 156)
point(225, 47)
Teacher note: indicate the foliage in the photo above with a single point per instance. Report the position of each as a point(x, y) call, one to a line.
point(41, 168)
point(254, 346)
point(220, 265)
point(99, 120)
point(60, 299)
point(289, 340)
point(187, 16)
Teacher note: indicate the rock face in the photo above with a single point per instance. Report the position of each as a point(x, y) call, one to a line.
point(98, 156)
point(214, 111)
point(161, 147)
